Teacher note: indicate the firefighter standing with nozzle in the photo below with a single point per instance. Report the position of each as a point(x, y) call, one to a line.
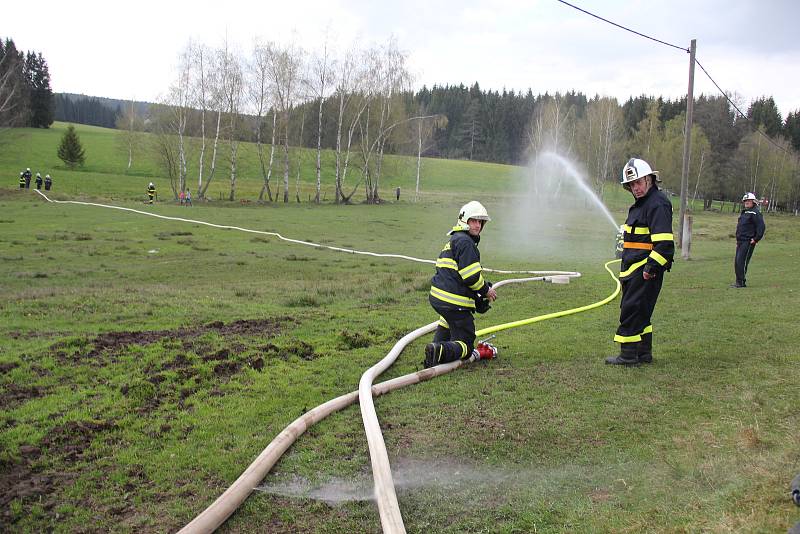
point(27, 175)
point(48, 183)
point(749, 231)
point(151, 192)
point(39, 181)
point(458, 289)
point(647, 253)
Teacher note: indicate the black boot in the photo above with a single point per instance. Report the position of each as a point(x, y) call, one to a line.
point(432, 353)
point(645, 352)
point(628, 355)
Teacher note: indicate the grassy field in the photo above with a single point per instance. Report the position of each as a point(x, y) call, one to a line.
point(144, 363)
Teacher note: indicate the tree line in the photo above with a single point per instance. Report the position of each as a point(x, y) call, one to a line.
point(25, 95)
point(360, 105)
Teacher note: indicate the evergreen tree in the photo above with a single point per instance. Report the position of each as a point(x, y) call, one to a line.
point(70, 151)
point(764, 112)
point(791, 129)
point(41, 100)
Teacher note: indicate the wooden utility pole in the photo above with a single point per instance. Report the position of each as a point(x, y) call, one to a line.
point(684, 233)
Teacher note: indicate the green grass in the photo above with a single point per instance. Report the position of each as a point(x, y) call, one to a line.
point(144, 363)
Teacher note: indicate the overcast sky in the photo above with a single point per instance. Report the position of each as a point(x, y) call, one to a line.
point(130, 49)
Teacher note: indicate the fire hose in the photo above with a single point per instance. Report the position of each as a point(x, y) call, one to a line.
point(391, 520)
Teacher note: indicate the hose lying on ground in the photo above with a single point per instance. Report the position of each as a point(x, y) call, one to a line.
point(282, 238)
point(385, 495)
point(227, 503)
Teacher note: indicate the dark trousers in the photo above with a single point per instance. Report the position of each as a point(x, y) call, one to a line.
point(639, 298)
point(458, 338)
point(744, 251)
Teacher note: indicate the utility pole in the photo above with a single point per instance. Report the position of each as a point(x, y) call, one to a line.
point(685, 228)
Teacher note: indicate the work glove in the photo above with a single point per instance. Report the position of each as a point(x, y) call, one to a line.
point(482, 305)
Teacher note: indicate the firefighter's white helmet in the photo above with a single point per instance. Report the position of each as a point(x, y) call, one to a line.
point(38, 175)
point(48, 176)
point(637, 168)
point(28, 169)
point(471, 210)
point(749, 196)
point(150, 184)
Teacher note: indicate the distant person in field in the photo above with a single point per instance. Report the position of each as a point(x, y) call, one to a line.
point(27, 175)
point(151, 192)
point(22, 180)
point(647, 252)
point(458, 290)
point(39, 181)
point(188, 198)
point(749, 231)
point(48, 183)
point(181, 196)
point(397, 193)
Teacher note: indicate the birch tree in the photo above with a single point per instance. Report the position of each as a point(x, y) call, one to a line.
point(283, 69)
point(350, 78)
point(131, 125)
point(179, 104)
point(318, 83)
point(260, 92)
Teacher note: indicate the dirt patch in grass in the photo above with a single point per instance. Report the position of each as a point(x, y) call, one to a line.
point(25, 480)
point(113, 342)
point(7, 366)
point(14, 394)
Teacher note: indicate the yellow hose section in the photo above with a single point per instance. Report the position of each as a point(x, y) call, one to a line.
point(523, 322)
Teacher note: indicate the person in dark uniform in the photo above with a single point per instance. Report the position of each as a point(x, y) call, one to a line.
point(39, 181)
point(749, 231)
point(27, 175)
point(151, 192)
point(22, 180)
point(458, 289)
point(648, 250)
point(48, 183)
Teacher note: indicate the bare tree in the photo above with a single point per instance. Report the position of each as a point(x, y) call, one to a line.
point(318, 83)
point(179, 103)
point(202, 101)
point(260, 95)
point(130, 124)
point(284, 63)
point(350, 79)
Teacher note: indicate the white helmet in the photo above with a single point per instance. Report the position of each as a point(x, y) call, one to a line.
point(637, 168)
point(150, 185)
point(39, 175)
point(48, 176)
point(749, 196)
point(28, 169)
point(471, 210)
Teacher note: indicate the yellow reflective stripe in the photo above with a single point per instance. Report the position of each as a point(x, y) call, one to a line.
point(469, 270)
point(643, 230)
point(463, 348)
point(658, 257)
point(631, 339)
point(446, 247)
point(447, 263)
point(443, 322)
point(632, 268)
point(479, 284)
point(661, 237)
point(451, 298)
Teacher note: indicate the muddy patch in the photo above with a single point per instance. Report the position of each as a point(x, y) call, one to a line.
point(113, 342)
point(14, 394)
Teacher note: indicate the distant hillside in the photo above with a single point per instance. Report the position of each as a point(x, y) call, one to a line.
point(93, 110)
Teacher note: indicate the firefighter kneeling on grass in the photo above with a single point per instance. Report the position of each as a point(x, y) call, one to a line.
point(647, 253)
point(458, 289)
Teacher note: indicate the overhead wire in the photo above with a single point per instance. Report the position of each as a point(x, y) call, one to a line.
point(745, 117)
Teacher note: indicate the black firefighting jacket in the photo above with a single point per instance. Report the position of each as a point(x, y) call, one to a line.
point(151, 190)
point(648, 241)
point(458, 282)
point(751, 225)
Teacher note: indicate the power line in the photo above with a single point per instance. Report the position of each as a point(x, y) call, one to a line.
point(745, 117)
point(624, 27)
point(685, 50)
